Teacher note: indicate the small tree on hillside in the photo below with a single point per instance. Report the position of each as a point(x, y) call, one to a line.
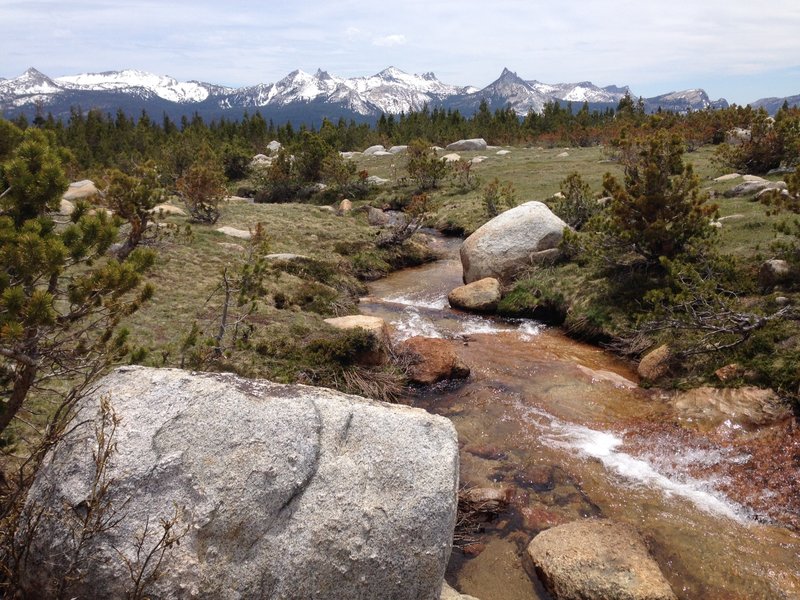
point(133, 197)
point(424, 166)
point(576, 204)
point(658, 211)
point(202, 188)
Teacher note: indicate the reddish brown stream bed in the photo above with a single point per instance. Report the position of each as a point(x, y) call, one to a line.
point(564, 428)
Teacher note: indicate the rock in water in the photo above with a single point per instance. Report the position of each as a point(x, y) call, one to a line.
point(482, 295)
point(597, 560)
point(284, 491)
point(432, 360)
point(513, 240)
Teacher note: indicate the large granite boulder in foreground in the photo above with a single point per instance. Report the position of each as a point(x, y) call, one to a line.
point(522, 236)
point(283, 491)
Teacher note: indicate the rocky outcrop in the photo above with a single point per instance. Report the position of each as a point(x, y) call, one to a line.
point(774, 272)
point(452, 157)
point(467, 145)
point(512, 241)
point(481, 296)
point(373, 149)
point(80, 190)
point(728, 177)
point(597, 560)
point(168, 209)
point(242, 234)
point(754, 187)
point(280, 491)
point(655, 364)
point(743, 406)
point(274, 146)
point(376, 217)
point(432, 360)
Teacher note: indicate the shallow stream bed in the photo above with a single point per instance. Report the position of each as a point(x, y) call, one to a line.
point(565, 429)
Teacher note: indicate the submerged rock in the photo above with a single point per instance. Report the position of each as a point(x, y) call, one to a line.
point(597, 560)
point(280, 491)
point(519, 237)
point(743, 406)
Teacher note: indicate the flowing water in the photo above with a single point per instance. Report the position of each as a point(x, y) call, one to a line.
point(563, 427)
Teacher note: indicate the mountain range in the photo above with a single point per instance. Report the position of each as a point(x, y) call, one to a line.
point(306, 97)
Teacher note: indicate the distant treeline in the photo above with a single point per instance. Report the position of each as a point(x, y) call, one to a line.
point(98, 140)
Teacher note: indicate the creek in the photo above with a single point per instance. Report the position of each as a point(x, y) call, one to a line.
point(564, 427)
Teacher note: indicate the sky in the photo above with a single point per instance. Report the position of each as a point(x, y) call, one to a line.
point(741, 50)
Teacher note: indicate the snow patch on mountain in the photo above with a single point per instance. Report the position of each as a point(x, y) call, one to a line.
point(162, 86)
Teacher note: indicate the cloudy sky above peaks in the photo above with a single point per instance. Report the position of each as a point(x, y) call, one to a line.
point(736, 49)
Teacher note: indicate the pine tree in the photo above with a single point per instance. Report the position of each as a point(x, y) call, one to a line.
point(61, 299)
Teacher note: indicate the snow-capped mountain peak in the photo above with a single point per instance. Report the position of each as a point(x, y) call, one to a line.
point(162, 86)
point(392, 91)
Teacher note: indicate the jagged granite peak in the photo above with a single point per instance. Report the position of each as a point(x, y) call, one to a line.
point(508, 90)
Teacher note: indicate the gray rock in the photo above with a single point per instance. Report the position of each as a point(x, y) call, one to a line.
point(274, 146)
point(376, 217)
point(448, 593)
point(66, 208)
point(467, 145)
point(260, 160)
point(597, 560)
point(452, 157)
point(727, 177)
point(242, 234)
point(398, 149)
point(373, 149)
point(285, 256)
point(375, 180)
point(283, 491)
point(80, 190)
point(737, 136)
point(753, 187)
point(774, 272)
point(515, 239)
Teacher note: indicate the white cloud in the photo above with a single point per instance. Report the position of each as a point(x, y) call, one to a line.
point(396, 39)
